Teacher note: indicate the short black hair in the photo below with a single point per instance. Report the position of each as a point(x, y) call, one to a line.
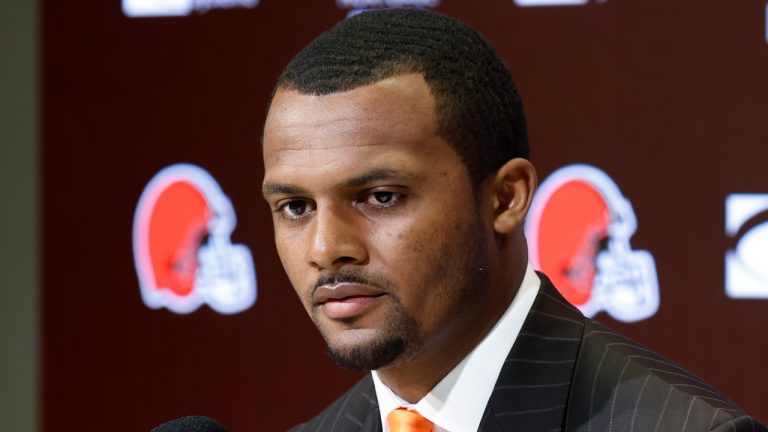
point(478, 108)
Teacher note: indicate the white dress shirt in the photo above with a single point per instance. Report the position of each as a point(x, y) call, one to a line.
point(457, 402)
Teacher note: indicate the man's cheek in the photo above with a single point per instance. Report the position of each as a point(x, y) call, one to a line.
point(287, 250)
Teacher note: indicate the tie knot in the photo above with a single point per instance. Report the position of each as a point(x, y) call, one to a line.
point(404, 420)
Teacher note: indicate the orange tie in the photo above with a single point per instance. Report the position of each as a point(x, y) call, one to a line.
point(404, 420)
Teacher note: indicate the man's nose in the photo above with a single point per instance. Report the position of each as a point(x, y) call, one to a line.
point(336, 240)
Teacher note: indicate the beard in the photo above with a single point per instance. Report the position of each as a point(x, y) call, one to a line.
point(457, 273)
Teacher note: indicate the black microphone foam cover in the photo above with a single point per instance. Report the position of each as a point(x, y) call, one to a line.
point(191, 424)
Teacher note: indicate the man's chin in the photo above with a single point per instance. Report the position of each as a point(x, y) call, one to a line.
point(371, 342)
point(370, 355)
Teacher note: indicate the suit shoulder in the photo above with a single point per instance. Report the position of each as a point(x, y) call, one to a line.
point(350, 412)
point(619, 384)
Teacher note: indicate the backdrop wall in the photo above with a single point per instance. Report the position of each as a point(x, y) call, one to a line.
point(668, 98)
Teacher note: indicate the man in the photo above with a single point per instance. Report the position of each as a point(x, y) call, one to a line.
point(396, 167)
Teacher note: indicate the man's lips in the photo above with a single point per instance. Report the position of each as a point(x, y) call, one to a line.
point(346, 300)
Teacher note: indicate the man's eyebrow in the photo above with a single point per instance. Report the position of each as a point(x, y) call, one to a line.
point(270, 188)
point(376, 175)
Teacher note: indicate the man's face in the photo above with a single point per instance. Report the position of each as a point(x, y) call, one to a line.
point(375, 220)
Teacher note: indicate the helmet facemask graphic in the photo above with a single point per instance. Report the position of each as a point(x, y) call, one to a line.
point(578, 233)
point(182, 248)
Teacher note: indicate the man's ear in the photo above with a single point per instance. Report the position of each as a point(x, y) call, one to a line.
point(514, 185)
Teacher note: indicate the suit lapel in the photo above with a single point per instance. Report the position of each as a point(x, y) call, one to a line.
point(532, 390)
point(355, 411)
point(361, 414)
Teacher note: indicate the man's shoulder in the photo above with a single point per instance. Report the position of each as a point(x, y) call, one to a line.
point(355, 410)
point(621, 385)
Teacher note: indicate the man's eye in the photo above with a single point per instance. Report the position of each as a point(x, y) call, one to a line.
point(293, 209)
point(383, 198)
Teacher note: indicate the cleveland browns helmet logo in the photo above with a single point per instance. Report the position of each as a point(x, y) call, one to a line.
point(578, 232)
point(182, 249)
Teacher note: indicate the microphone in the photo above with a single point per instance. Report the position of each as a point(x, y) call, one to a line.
point(191, 424)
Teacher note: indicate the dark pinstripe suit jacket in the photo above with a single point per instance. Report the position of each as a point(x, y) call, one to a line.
point(568, 373)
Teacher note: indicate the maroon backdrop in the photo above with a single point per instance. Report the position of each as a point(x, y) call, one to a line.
point(669, 98)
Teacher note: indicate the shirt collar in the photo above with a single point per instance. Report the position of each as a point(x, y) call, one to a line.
point(458, 401)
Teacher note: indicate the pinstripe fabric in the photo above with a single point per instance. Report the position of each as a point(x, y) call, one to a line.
point(620, 385)
point(533, 386)
point(569, 373)
point(354, 411)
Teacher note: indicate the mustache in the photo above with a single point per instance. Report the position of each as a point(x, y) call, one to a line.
point(353, 276)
